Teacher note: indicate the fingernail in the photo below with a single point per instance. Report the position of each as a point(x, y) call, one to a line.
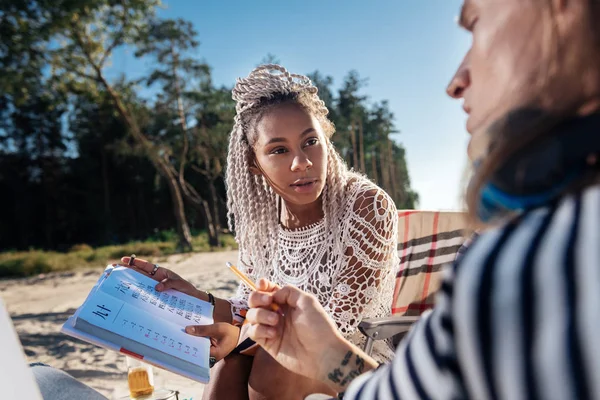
point(271, 333)
point(160, 287)
point(272, 318)
point(264, 298)
point(190, 329)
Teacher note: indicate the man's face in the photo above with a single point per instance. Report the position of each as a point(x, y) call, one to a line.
point(499, 72)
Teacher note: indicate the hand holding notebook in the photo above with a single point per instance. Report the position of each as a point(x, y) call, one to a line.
point(125, 313)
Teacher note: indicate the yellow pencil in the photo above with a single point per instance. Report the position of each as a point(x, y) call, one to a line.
point(247, 281)
point(242, 276)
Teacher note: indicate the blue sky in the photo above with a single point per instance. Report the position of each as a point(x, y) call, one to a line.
point(408, 49)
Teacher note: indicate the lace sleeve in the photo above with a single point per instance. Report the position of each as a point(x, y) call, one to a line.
point(365, 283)
point(239, 302)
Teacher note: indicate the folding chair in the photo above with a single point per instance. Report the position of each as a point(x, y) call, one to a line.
point(427, 240)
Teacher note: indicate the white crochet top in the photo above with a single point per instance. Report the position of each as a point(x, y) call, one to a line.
point(351, 275)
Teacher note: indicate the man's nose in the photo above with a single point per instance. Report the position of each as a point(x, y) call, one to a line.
point(460, 81)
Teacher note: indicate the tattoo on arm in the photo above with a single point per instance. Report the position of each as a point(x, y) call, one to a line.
point(337, 376)
point(360, 363)
point(346, 359)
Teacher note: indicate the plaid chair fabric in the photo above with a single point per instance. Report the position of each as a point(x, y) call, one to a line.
point(427, 240)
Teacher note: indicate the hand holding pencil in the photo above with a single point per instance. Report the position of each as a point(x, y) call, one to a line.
point(303, 339)
point(250, 284)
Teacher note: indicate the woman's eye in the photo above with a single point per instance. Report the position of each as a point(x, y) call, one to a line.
point(278, 150)
point(312, 141)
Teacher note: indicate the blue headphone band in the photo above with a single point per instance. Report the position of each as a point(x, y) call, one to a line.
point(494, 201)
point(556, 162)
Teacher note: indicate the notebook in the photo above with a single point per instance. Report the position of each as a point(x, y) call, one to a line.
point(124, 313)
point(16, 378)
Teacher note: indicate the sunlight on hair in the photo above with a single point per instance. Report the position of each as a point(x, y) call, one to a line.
point(251, 202)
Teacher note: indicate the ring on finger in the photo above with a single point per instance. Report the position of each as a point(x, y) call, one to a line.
point(156, 267)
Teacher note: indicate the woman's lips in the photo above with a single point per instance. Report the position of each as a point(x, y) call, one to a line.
point(304, 186)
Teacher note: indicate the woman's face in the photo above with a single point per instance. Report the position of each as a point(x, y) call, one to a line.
point(512, 56)
point(291, 153)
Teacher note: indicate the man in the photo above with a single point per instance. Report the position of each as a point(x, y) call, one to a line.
point(518, 315)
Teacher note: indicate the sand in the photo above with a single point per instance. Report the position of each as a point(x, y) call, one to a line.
point(40, 305)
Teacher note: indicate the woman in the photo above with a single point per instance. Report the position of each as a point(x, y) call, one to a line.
point(301, 218)
point(518, 315)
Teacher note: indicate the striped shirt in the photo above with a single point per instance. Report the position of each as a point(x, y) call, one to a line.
point(517, 317)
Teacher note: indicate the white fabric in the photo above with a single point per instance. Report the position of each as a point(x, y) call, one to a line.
point(351, 275)
point(16, 379)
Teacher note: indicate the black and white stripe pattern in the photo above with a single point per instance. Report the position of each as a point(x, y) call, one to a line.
point(518, 317)
point(430, 253)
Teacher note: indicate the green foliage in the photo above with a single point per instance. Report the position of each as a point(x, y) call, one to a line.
point(25, 264)
point(81, 248)
point(167, 235)
point(364, 136)
point(34, 262)
point(88, 159)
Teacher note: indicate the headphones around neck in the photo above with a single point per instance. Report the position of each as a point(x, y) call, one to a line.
point(540, 172)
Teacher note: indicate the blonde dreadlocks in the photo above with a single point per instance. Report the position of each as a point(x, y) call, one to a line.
point(251, 202)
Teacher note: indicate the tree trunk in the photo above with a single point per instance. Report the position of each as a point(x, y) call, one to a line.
point(183, 229)
point(204, 208)
point(213, 231)
point(374, 166)
point(132, 221)
point(48, 208)
point(106, 190)
point(393, 182)
point(354, 148)
point(385, 169)
point(22, 208)
point(361, 145)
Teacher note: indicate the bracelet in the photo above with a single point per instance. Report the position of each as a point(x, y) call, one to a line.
point(211, 298)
